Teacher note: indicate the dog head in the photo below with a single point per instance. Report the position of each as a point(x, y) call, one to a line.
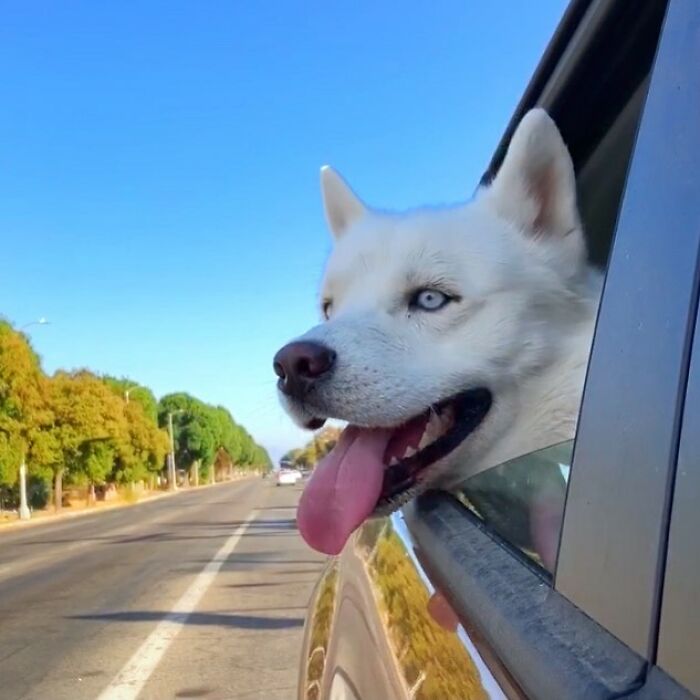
point(430, 318)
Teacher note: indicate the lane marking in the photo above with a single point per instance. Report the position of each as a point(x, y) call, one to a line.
point(130, 681)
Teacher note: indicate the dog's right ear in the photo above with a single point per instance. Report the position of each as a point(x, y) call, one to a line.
point(342, 206)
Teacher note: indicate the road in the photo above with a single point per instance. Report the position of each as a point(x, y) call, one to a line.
point(199, 595)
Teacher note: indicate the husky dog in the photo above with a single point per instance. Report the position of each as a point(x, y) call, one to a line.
point(453, 339)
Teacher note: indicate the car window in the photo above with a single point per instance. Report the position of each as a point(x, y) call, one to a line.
point(522, 500)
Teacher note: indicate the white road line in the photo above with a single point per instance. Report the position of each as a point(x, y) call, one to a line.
point(129, 682)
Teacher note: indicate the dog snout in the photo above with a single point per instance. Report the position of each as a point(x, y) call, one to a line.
point(300, 364)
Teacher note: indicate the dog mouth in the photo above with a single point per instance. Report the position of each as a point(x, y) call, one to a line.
point(373, 471)
point(427, 439)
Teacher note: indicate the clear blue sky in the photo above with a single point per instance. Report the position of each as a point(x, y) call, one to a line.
point(159, 166)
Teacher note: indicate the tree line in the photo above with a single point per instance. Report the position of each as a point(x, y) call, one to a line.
point(82, 429)
point(315, 449)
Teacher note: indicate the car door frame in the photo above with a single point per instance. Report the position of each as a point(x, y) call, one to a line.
point(613, 542)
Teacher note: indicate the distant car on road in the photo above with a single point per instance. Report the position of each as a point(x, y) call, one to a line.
point(287, 477)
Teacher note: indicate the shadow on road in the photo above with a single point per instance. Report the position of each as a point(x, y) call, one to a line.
point(287, 582)
point(276, 508)
point(257, 528)
point(237, 621)
point(235, 561)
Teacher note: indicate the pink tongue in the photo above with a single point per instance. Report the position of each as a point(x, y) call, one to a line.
point(343, 490)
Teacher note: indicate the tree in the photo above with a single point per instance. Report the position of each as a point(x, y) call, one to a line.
point(203, 434)
point(85, 411)
point(81, 428)
point(194, 428)
point(10, 457)
point(315, 449)
point(136, 393)
point(96, 459)
point(262, 459)
point(229, 435)
point(24, 414)
point(143, 447)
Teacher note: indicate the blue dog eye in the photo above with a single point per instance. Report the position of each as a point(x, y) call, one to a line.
point(429, 300)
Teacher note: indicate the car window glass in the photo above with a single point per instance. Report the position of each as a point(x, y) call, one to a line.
point(522, 501)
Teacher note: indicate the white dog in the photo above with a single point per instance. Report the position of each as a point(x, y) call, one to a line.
point(453, 339)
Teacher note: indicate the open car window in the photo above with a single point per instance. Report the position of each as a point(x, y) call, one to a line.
point(523, 499)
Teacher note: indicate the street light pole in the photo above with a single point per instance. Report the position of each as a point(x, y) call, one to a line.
point(24, 512)
point(171, 455)
point(39, 322)
point(172, 486)
point(129, 390)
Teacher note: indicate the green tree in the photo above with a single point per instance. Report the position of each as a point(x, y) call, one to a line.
point(24, 414)
point(204, 434)
point(95, 461)
point(315, 449)
point(85, 412)
point(136, 393)
point(262, 459)
point(141, 449)
point(86, 429)
point(194, 429)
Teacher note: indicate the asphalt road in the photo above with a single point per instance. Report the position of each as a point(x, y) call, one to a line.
point(200, 595)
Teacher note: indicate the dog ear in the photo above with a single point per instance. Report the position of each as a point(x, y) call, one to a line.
point(342, 206)
point(535, 187)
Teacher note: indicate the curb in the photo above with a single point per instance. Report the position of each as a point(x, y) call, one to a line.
point(21, 524)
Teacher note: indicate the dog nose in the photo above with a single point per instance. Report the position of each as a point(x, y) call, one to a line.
point(298, 365)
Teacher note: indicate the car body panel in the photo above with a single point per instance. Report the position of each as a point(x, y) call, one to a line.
point(627, 437)
point(372, 630)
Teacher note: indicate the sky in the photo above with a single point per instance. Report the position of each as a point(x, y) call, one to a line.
point(159, 167)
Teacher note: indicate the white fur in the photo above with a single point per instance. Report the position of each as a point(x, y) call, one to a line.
point(522, 326)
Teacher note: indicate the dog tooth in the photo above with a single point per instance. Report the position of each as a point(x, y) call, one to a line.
point(428, 437)
point(410, 451)
point(445, 423)
point(436, 429)
point(425, 440)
